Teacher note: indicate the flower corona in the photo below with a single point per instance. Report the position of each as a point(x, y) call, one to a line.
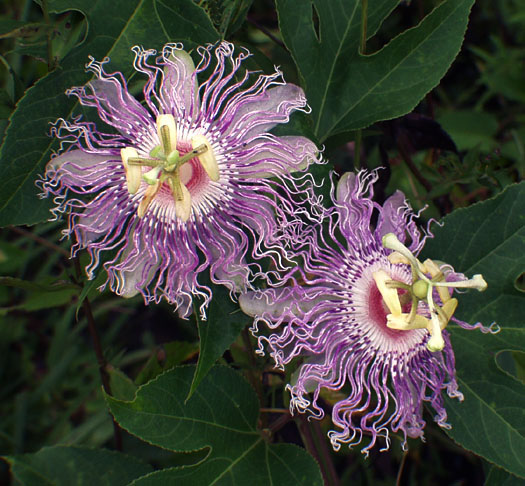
point(366, 319)
point(188, 179)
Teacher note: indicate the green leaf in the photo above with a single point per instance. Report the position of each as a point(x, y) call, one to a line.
point(62, 33)
point(165, 357)
point(42, 295)
point(113, 28)
point(122, 386)
point(499, 477)
point(284, 465)
point(519, 361)
point(47, 300)
point(225, 322)
point(90, 289)
point(14, 92)
point(470, 129)
point(64, 466)
point(19, 28)
point(500, 70)
point(50, 285)
point(488, 238)
point(221, 415)
point(227, 15)
point(347, 90)
point(6, 107)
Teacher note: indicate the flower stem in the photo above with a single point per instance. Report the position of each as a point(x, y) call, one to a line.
point(401, 468)
point(101, 360)
point(40, 240)
point(274, 410)
point(403, 146)
point(265, 31)
point(315, 448)
point(279, 423)
point(357, 148)
point(362, 50)
point(45, 13)
point(256, 382)
point(325, 454)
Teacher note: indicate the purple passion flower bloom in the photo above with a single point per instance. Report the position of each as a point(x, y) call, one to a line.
point(190, 179)
point(367, 322)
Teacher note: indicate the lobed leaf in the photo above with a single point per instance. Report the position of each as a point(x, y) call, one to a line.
point(278, 465)
point(347, 90)
point(221, 415)
point(82, 466)
point(488, 238)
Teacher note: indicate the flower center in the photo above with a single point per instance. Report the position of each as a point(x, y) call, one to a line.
point(378, 309)
point(421, 289)
point(165, 163)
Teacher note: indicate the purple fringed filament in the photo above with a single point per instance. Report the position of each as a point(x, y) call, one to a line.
point(368, 321)
point(190, 180)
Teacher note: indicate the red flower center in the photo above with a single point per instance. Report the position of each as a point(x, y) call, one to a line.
point(378, 310)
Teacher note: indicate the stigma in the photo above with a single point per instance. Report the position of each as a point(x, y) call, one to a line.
point(163, 165)
point(426, 277)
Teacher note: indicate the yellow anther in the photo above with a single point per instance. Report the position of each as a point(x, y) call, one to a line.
point(430, 267)
point(206, 156)
point(449, 307)
point(390, 295)
point(395, 257)
point(181, 198)
point(422, 290)
point(436, 341)
point(440, 318)
point(167, 131)
point(133, 172)
point(403, 322)
point(163, 164)
point(147, 199)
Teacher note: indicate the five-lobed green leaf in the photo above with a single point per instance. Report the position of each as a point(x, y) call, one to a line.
point(278, 465)
point(221, 415)
point(488, 238)
point(347, 90)
point(81, 466)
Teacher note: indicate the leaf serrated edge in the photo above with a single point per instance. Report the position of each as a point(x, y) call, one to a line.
point(109, 399)
point(485, 404)
point(199, 366)
point(462, 446)
point(304, 451)
point(494, 199)
point(11, 459)
point(395, 39)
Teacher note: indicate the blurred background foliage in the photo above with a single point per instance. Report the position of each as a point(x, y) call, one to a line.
point(463, 143)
